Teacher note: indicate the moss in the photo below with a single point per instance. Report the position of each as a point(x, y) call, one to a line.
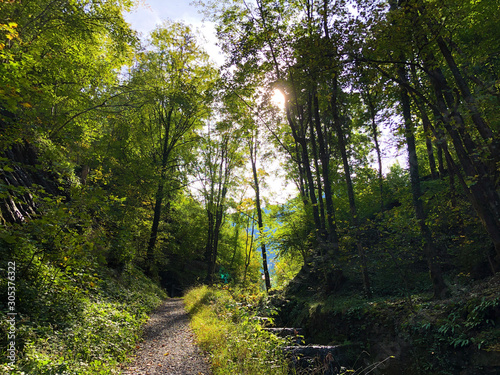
point(427, 336)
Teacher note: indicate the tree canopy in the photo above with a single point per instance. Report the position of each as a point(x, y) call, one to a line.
point(121, 154)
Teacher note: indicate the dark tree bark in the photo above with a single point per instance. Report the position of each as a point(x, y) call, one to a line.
point(374, 129)
point(167, 147)
point(428, 141)
point(325, 168)
point(440, 288)
point(350, 189)
point(260, 222)
point(298, 132)
point(248, 249)
point(220, 166)
point(316, 167)
point(215, 215)
point(483, 190)
point(470, 101)
point(486, 200)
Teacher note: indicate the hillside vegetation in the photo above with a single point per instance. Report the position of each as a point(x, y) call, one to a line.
point(131, 166)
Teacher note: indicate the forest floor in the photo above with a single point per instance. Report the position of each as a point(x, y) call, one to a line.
point(168, 345)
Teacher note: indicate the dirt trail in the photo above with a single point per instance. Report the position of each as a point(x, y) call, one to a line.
point(169, 346)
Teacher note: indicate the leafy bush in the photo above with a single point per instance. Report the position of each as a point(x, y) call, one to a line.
point(89, 333)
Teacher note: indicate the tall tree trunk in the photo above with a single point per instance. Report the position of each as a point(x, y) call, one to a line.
point(235, 241)
point(470, 101)
point(427, 133)
point(325, 169)
point(299, 136)
point(324, 154)
point(302, 184)
point(316, 167)
point(374, 129)
point(150, 256)
point(260, 222)
point(428, 142)
point(248, 249)
point(486, 199)
point(151, 269)
point(215, 219)
point(441, 168)
point(209, 247)
point(440, 288)
point(350, 189)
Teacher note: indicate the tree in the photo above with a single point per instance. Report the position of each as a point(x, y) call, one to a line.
point(64, 58)
point(253, 143)
point(173, 81)
point(219, 157)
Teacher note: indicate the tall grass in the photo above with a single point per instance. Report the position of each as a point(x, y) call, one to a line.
point(227, 329)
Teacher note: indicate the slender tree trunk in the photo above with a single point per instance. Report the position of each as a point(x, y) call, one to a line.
point(325, 168)
point(150, 256)
point(316, 167)
point(440, 288)
point(299, 137)
point(302, 185)
point(151, 263)
point(350, 190)
point(235, 240)
point(486, 200)
point(430, 148)
point(209, 252)
point(428, 142)
point(477, 119)
point(260, 222)
point(427, 133)
point(248, 249)
point(214, 224)
point(440, 161)
point(310, 183)
point(374, 127)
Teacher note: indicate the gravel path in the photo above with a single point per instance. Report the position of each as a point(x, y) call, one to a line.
point(169, 346)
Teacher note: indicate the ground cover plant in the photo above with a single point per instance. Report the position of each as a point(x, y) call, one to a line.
point(120, 153)
point(226, 327)
point(85, 330)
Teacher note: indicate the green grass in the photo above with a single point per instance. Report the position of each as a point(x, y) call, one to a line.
point(225, 327)
point(91, 330)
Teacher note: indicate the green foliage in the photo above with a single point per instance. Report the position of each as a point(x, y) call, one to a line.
point(227, 329)
point(83, 322)
point(115, 152)
point(294, 234)
point(437, 330)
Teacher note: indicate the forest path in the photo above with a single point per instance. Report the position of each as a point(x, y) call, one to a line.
point(169, 346)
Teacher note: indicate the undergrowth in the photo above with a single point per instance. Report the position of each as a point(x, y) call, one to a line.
point(68, 327)
point(226, 327)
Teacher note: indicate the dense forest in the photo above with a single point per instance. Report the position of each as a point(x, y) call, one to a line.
point(127, 164)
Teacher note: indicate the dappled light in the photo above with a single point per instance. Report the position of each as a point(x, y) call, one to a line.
point(262, 188)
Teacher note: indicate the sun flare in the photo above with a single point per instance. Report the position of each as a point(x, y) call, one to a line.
point(278, 99)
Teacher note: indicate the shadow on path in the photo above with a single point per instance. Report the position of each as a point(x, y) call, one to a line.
point(169, 345)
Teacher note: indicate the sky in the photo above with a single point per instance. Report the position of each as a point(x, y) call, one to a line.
point(150, 13)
